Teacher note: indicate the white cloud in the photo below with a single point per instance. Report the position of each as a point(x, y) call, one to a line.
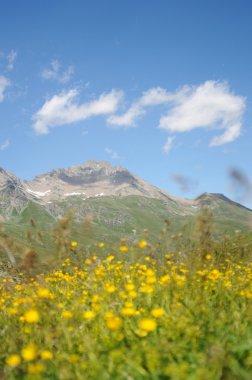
point(210, 105)
point(114, 155)
point(54, 72)
point(156, 96)
point(168, 145)
point(4, 83)
point(63, 109)
point(153, 97)
point(11, 57)
point(5, 145)
point(8, 60)
point(66, 75)
point(128, 118)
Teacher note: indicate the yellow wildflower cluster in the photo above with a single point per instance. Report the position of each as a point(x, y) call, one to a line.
point(123, 314)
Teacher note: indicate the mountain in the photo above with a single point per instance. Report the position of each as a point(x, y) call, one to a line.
point(115, 200)
point(13, 195)
point(93, 179)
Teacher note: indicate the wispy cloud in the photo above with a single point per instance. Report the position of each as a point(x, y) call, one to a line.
point(4, 83)
point(168, 145)
point(153, 97)
point(8, 59)
point(11, 57)
point(5, 145)
point(113, 155)
point(63, 109)
point(54, 72)
point(210, 105)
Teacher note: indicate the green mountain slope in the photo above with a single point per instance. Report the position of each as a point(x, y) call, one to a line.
point(111, 218)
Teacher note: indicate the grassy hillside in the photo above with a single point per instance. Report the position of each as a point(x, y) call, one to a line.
point(110, 219)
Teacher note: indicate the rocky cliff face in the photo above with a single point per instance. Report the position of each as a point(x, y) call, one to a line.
point(12, 193)
point(92, 179)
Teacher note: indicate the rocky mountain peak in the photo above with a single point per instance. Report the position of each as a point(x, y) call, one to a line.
point(91, 179)
point(4, 175)
point(12, 193)
point(8, 181)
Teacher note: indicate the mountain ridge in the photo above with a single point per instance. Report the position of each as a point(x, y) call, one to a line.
point(113, 201)
point(92, 179)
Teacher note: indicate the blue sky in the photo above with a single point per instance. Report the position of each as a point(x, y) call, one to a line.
point(161, 87)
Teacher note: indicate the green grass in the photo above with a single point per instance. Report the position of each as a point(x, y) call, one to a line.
point(166, 302)
point(111, 218)
point(136, 314)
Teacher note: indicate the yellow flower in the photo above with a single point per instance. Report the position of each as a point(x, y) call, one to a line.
point(166, 279)
point(114, 323)
point(147, 324)
point(214, 274)
point(128, 304)
point(201, 273)
point(124, 248)
point(208, 257)
point(227, 284)
point(110, 288)
point(145, 288)
point(36, 368)
point(89, 314)
point(101, 244)
point(110, 258)
point(128, 311)
point(43, 293)
point(29, 352)
point(31, 316)
point(109, 314)
point(95, 298)
point(13, 360)
point(151, 280)
point(74, 243)
point(142, 244)
point(132, 294)
point(158, 312)
point(12, 311)
point(129, 287)
point(67, 314)
point(46, 355)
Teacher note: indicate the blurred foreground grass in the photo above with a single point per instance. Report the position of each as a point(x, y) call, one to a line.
point(129, 316)
point(133, 310)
